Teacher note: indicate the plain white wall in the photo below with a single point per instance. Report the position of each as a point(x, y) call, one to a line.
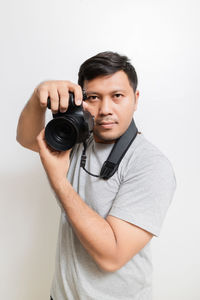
point(43, 40)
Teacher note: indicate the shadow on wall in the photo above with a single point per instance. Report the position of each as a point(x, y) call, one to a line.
point(29, 219)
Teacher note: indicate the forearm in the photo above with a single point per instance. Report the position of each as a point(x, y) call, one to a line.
point(93, 231)
point(31, 122)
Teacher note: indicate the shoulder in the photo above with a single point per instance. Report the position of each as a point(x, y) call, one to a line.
point(144, 158)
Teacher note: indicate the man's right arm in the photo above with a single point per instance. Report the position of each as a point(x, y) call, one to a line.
point(32, 118)
point(31, 122)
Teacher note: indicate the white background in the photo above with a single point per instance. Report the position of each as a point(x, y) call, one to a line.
point(43, 40)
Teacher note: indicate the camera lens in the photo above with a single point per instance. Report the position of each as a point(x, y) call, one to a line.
point(62, 131)
point(61, 134)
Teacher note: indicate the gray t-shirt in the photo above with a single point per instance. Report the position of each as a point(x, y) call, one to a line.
point(139, 192)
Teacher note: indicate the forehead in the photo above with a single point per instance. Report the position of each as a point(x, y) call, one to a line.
point(116, 81)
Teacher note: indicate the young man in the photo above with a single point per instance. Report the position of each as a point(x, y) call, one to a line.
point(106, 226)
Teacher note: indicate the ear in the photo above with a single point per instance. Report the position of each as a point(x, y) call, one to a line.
point(136, 96)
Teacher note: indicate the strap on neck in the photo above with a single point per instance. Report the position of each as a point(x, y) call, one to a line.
point(118, 151)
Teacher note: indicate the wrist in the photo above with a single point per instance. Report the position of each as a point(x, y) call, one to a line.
point(60, 185)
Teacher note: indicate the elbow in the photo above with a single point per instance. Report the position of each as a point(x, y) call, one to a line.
point(109, 266)
point(109, 261)
point(18, 139)
point(26, 145)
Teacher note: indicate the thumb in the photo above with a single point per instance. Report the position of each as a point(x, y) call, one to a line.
point(41, 139)
point(85, 105)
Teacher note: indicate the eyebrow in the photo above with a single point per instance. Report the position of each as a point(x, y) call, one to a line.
point(112, 92)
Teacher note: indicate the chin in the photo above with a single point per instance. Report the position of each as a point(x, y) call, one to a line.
point(106, 137)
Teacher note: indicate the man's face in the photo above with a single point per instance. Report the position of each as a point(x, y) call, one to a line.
point(112, 102)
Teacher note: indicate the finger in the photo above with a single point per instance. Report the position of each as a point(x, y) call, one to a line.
point(42, 134)
point(41, 139)
point(54, 97)
point(43, 95)
point(78, 94)
point(85, 106)
point(64, 99)
point(42, 145)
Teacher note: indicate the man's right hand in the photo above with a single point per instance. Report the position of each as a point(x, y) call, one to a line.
point(32, 118)
point(58, 91)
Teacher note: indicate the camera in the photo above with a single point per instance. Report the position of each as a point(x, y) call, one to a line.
point(68, 128)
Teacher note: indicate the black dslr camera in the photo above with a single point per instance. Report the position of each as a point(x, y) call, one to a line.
point(67, 129)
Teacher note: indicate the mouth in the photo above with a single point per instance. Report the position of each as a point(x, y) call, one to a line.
point(106, 124)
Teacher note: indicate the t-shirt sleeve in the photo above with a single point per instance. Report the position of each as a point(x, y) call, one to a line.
point(145, 193)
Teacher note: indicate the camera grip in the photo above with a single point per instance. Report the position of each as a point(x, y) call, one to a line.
point(71, 99)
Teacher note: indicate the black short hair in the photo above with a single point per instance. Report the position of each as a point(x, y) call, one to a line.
point(107, 63)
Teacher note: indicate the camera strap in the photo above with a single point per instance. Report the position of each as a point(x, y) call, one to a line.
point(118, 151)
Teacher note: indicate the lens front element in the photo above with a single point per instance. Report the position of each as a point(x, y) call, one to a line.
point(61, 134)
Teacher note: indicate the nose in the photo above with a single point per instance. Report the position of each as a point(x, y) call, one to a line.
point(105, 107)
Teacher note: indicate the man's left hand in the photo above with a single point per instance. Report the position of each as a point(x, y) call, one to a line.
point(55, 163)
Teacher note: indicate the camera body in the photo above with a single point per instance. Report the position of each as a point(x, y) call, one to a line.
point(68, 128)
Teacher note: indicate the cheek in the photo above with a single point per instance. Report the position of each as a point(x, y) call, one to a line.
point(125, 112)
point(93, 109)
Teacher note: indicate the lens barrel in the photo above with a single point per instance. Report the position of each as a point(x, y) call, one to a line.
point(61, 134)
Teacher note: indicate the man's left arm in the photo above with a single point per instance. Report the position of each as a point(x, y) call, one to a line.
point(111, 242)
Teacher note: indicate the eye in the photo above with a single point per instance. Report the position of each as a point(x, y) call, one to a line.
point(118, 95)
point(92, 98)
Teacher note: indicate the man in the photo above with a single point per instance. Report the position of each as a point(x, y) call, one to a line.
point(106, 226)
